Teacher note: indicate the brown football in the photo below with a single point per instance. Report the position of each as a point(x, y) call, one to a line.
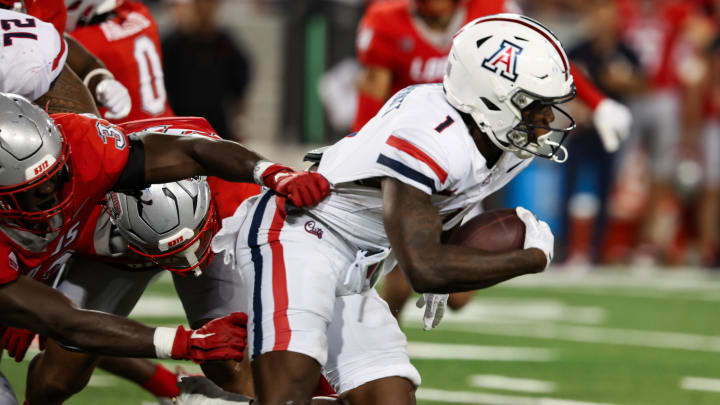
point(492, 231)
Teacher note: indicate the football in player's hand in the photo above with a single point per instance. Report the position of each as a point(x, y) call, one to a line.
point(492, 231)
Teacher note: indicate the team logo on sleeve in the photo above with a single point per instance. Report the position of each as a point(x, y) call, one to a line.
point(505, 60)
point(12, 261)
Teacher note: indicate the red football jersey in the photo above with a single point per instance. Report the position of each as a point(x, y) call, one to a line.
point(129, 45)
point(389, 37)
point(52, 11)
point(99, 153)
point(226, 196)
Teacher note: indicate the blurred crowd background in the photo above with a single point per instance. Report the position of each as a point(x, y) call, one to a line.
point(281, 75)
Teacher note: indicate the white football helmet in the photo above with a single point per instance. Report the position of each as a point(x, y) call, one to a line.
point(501, 64)
point(82, 11)
point(171, 224)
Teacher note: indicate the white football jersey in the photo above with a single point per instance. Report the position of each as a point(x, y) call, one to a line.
point(421, 140)
point(32, 55)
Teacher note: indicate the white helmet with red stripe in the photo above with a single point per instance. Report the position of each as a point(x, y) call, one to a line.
point(500, 65)
point(82, 11)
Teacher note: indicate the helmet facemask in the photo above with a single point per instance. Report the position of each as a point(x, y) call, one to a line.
point(531, 136)
point(22, 207)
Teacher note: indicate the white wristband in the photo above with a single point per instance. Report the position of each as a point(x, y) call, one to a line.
point(95, 72)
point(259, 169)
point(163, 341)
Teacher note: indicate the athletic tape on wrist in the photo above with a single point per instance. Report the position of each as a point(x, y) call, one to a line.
point(259, 169)
point(163, 341)
point(95, 72)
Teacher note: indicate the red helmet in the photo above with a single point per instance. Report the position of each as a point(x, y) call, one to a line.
point(36, 190)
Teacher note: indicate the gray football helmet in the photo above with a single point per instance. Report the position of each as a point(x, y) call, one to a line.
point(35, 189)
point(171, 224)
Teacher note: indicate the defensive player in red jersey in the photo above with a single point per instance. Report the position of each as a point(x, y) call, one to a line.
point(406, 42)
point(194, 211)
point(55, 171)
point(124, 35)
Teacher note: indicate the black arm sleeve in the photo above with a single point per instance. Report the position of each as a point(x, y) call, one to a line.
point(133, 176)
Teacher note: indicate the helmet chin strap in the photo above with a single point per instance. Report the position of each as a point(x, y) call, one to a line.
point(191, 257)
point(545, 140)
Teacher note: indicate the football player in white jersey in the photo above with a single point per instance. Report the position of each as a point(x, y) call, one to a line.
point(428, 157)
point(53, 71)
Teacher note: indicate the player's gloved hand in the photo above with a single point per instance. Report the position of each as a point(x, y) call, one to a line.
point(302, 188)
point(612, 121)
point(434, 308)
point(115, 97)
point(537, 234)
point(220, 339)
point(17, 341)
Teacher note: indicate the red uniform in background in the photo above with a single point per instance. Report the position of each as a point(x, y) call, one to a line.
point(128, 44)
point(391, 37)
point(99, 153)
point(52, 11)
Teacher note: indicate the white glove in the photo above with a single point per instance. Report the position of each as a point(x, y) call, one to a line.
point(199, 390)
point(612, 121)
point(115, 97)
point(537, 234)
point(434, 309)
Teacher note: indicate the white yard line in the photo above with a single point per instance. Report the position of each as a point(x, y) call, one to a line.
point(479, 398)
point(501, 382)
point(516, 309)
point(444, 351)
point(591, 334)
point(700, 384)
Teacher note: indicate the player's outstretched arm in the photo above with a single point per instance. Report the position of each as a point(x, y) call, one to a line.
point(414, 227)
point(171, 158)
point(68, 94)
point(51, 314)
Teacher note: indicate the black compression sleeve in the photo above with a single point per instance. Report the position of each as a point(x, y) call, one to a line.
point(133, 176)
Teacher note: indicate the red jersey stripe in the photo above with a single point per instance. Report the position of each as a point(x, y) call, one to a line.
point(56, 61)
point(414, 151)
point(279, 280)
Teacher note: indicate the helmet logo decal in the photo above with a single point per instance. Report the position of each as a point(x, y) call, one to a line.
point(40, 168)
point(504, 59)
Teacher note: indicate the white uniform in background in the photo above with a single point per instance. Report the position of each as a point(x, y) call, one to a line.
point(32, 56)
point(308, 276)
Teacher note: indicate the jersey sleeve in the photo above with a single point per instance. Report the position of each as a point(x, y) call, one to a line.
point(100, 149)
point(9, 265)
point(374, 46)
point(417, 159)
point(228, 196)
point(32, 63)
point(52, 11)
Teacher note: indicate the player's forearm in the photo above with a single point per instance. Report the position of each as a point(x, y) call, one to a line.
point(107, 334)
point(171, 158)
point(83, 62)
point(450, 268)
point(68, 95)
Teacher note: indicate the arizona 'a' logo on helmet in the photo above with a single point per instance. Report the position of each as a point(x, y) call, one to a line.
point(504, 59)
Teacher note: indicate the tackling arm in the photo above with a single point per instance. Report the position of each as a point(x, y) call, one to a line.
point(68, 95)
point(51, 314)
point(170, 158)
point(414, 229)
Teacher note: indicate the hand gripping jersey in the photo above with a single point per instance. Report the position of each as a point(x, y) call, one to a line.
point(390, 37)
point(32, 56)
point(129, 45)
point(96, 238)
point(99, 155)
point(419, 139)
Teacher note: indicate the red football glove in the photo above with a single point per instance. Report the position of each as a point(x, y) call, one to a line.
point(220, 339)
point(302, 188)
point(17, 341)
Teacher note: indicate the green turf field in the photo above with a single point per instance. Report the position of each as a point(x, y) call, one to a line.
point(562, 338)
